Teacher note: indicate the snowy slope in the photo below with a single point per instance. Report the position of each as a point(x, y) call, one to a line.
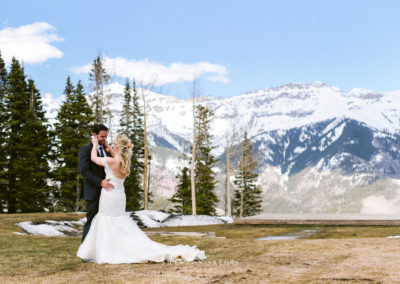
point(284, 107)
point(347, 140)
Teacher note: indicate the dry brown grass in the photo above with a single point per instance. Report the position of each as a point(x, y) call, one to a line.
point(334, 255)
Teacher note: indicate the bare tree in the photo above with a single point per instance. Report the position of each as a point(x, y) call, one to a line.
point(192, 166)
point(230, 138)
point(145, 90)
point(99, 78)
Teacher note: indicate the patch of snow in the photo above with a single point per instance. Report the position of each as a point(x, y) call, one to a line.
point(358, 92)
point(330, 126)
point(226, 219)
point(196, 220)
point(378, 204)
point(155, 219)
point(150, 223)
point(378, 158)
point(41, 229)
point(299, 150)
point(81, 222)
point(216, 169)
point(322, 144)
point(153, 214)
point(338, 132)
point(173, 165)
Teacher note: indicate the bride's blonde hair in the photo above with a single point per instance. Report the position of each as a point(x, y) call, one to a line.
point(124, 147)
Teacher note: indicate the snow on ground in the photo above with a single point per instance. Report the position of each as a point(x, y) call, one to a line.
point(65, 226)
point(81, 222)
point(150, 219)
point(198, 220)
point(154, 219)
point(40, 229)
point(153, 214)
point(53, 228)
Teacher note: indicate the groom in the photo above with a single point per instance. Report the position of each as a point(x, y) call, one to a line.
point(94, 175)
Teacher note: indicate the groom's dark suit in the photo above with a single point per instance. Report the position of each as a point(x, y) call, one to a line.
point(93, 175)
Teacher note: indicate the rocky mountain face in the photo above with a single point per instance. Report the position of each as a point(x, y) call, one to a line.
point(320, 150)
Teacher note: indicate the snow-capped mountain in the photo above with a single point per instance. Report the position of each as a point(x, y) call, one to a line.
point(303, 132)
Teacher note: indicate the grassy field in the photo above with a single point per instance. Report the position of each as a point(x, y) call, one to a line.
point(330, 254)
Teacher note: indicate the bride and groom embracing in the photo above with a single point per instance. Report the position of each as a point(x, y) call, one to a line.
point(110, 235)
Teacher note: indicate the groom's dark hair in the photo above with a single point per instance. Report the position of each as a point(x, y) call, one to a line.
point(99, 127)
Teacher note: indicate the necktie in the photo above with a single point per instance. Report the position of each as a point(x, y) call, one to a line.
point(101, 151)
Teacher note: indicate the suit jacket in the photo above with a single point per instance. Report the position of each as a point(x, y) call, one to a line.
point(92, 173)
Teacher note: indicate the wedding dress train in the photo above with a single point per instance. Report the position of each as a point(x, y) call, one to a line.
point(115, 238)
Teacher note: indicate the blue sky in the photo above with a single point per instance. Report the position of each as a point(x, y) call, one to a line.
point(231, 46)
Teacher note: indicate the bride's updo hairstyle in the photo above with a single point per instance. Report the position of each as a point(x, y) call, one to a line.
point(123, 146)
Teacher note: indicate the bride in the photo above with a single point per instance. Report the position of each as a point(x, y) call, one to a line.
point(113, 236)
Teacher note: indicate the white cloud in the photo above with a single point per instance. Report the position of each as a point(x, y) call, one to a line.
point(29, 43)
point(146, 71)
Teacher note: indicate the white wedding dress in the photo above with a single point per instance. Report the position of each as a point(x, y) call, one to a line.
point(115, 238)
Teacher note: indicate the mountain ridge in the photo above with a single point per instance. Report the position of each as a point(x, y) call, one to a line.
point(298, 130)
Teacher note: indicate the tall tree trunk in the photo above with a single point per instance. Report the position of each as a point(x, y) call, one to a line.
point(231, 151)
point(101, 106)
point(241, 203)
point(241, 194)
point(148, 178)
point(193, 189)
point(145, 165)
point(228, 210)
point(192, 177)
point(11, 200)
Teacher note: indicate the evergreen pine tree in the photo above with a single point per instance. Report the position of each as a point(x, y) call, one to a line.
point(205, 181)
point(247, 197)
point(182, 198)
point(133, 184)
point(32, 166)
point(28, 145)
point(3, 132)
point(17, 104)
point(73, 128)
